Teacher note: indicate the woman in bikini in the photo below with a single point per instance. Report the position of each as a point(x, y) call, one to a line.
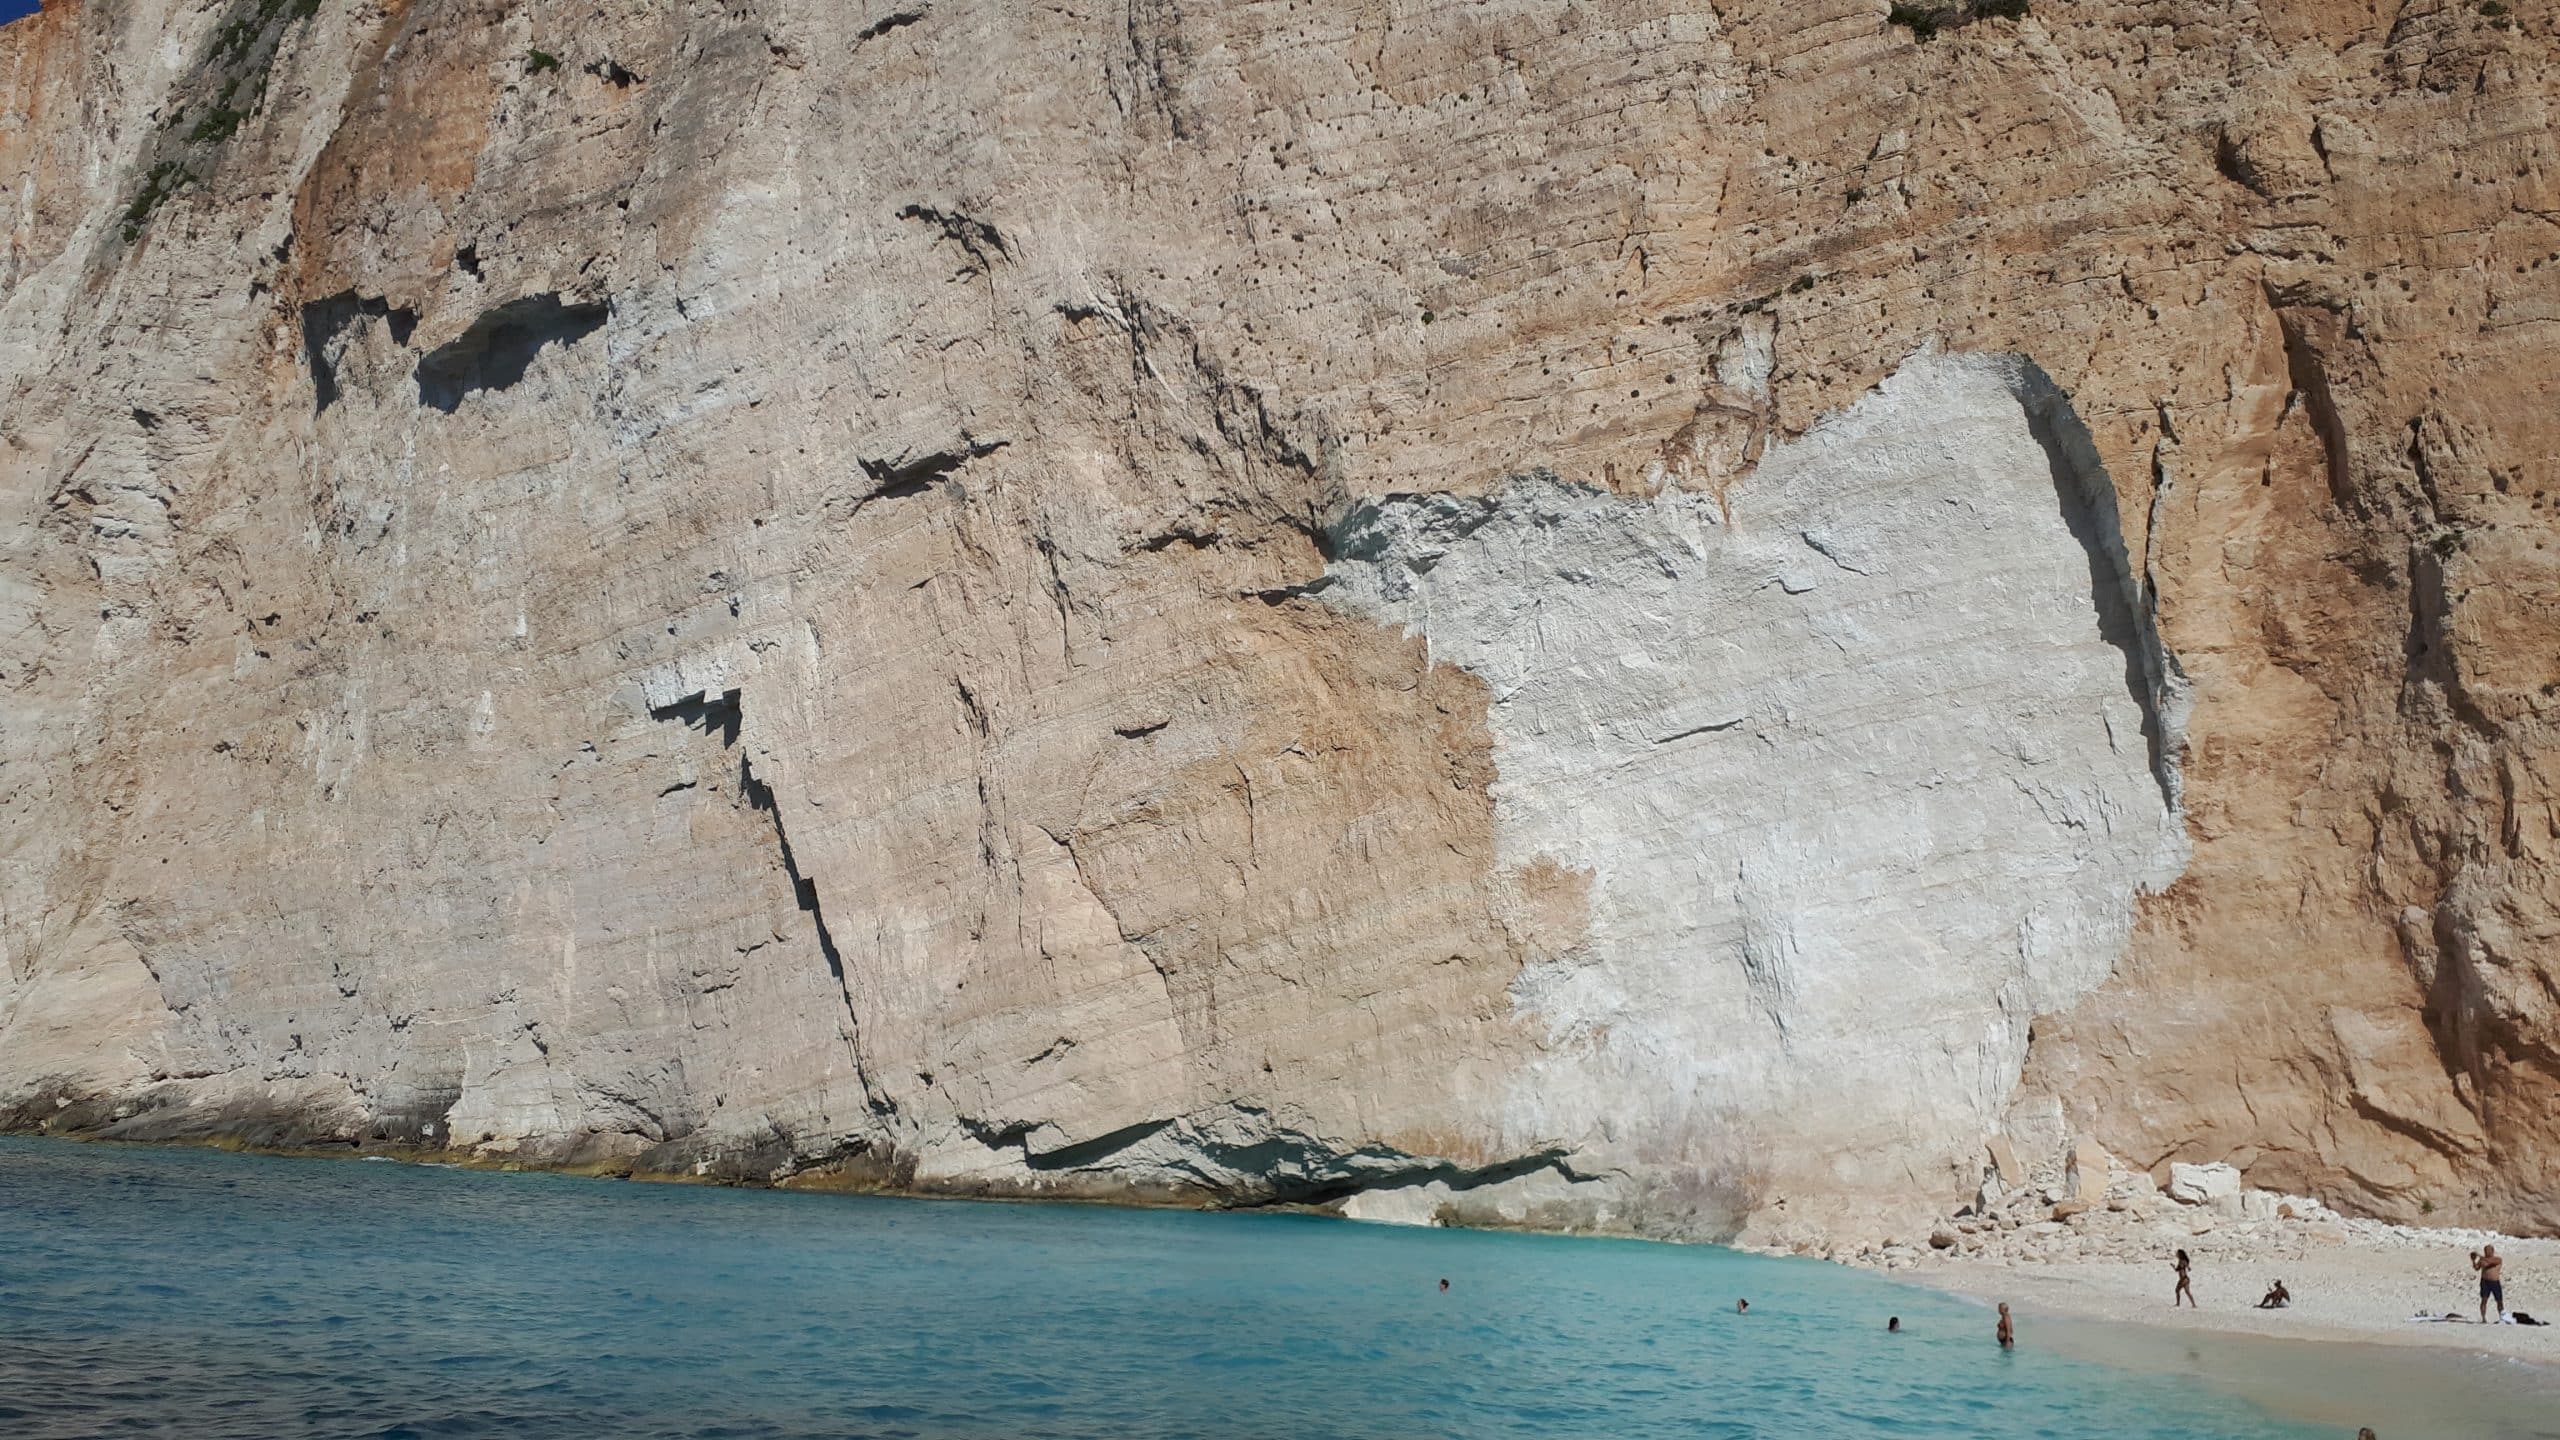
point(2183, 1292)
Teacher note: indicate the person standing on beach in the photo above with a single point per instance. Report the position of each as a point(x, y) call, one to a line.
point(2008, 1333)
point(2183, 1292)
point(2491, 1266)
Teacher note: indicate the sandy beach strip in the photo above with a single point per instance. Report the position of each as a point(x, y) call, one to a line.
point(2364, 1288)
point(2345, 1353)
point(2082, 1248)
point(2344, 1356)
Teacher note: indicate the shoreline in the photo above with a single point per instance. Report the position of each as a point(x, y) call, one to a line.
point(2121, 1294)
point(817, 1180)
point(2083, 1238)
point(2078, 1285)
point(2416, 1381)
point(2346, 1353)
point(2355, 1282)
point(2343, 1355)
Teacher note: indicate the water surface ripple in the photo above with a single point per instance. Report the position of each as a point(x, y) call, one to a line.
point(192, 1293)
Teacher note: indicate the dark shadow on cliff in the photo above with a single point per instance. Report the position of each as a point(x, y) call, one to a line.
point(2087, 498)
point(327, 325)
point(722, 715)
point(711, 714)
point(499, 347)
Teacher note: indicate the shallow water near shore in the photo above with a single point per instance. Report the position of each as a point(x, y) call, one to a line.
point(163, 1291)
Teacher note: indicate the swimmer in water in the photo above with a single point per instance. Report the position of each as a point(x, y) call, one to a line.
point(2008, 1333)
point(1444, 1285)
point(1893, 1325)
point(1741, 1307)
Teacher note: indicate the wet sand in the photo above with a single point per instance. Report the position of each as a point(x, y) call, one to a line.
point(2404, 1393)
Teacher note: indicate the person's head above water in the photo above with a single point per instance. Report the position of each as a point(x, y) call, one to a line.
point(1444, 1284)
point(1893, 1323)
point(1741, 1307)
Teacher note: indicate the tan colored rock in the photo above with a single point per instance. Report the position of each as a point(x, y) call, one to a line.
point(2005, 1162)
point(2084, 1172)
point(1269, 603)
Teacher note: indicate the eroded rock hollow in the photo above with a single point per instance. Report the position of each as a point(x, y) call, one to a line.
point(1647, 616)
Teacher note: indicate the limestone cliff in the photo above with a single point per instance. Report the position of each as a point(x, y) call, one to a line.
point(1646, 615)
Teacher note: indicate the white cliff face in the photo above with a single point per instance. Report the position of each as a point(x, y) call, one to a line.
point(1856, 757)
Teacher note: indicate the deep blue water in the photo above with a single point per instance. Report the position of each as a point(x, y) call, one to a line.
point(192, 1293)
point(16, 10)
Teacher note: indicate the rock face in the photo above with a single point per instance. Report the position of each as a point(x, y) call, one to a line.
point(1854, 771)
point(1647, 616)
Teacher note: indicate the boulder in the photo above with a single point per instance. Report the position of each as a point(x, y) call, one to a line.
point(2203, 1184)
point(2302, 1207)
point(2005, 1162)
point(2084, 1172)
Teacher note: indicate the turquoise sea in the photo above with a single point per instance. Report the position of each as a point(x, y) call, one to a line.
point(199, 1294)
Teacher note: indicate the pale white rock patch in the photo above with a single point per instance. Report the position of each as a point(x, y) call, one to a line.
point(1866, 762)
point(2203, 1184)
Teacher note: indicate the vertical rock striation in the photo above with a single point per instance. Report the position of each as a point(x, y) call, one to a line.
point(1623, 614)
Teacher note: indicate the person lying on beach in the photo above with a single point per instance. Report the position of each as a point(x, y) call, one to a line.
point(2487, 1261)
point(2007, 1333)
point(2276, 1298)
